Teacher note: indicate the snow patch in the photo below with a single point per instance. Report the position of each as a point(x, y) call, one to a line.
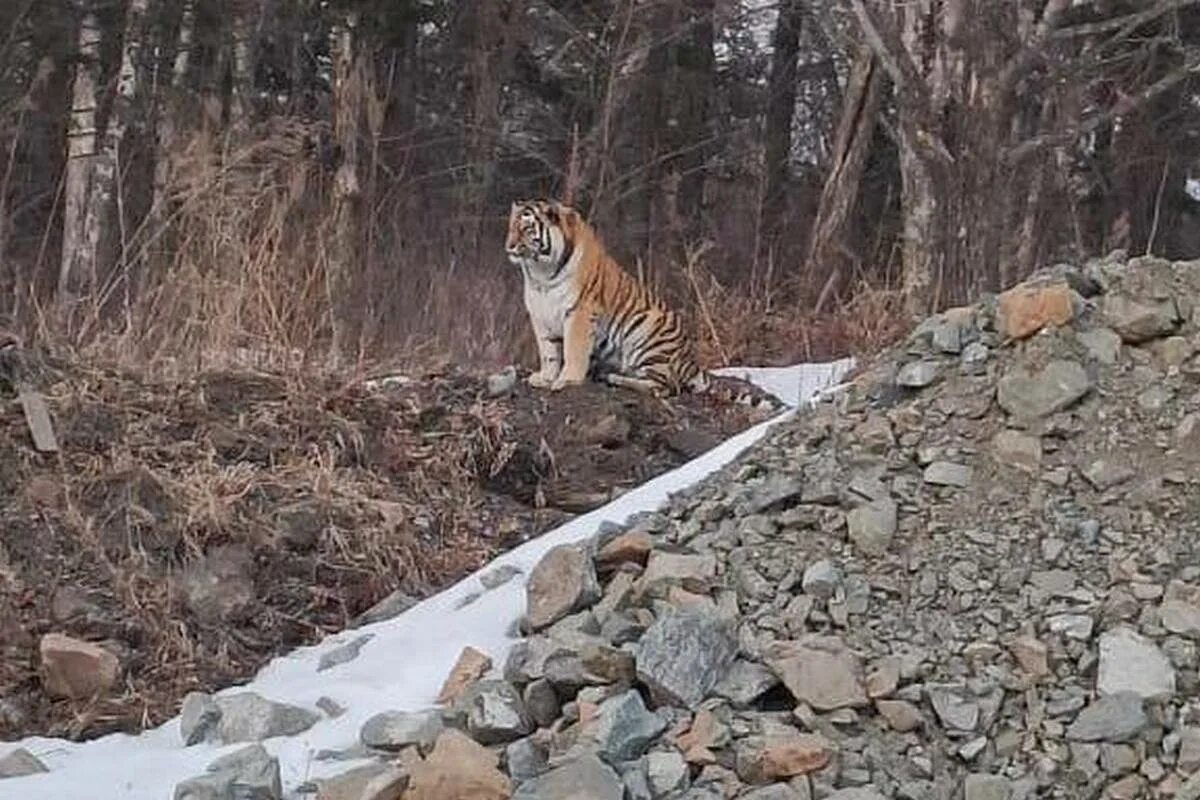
point(401, 667)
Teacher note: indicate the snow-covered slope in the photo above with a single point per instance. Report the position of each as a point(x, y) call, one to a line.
point(401, 667)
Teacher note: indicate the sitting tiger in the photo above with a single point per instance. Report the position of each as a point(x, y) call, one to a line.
point(590, 317)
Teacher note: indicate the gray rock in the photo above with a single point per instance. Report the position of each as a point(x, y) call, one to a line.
point(1181, 617)
point(776, 791)
point(1073, 626)
point(495, 578)
point(247, 774)
point(683, 655)
point(198, 718)
point(1136, 321)
point(219, 588)
point(745, 682)
point(986, 787)
point(819, 671)
point(1018, 450)
point(563, 582)
point(1102, 344)
point(918, 374)
point(776, 492)
point(541, 702)
point(695, 573)
point(584, 778)
point(821, 579)
point(395, 730)
point(622, 728)
point(1129, 662)
point(953, 707)
point(389, 607)
point(20, 762)
point(343, 653)
point(666, 772)
point(249, 717)
point(1111, 718)
point(872, 526)
point(502, 382)
point(1033, 395)
point(495, 712)
point(525, 759)
point(947, 473)
point(856, 793)
point(1103, 473)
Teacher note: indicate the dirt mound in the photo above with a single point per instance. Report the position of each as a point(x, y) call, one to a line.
point(197, 528)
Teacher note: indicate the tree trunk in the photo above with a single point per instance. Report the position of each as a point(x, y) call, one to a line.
point(860, 114)
point(689, 132)
point(348, 95)
point(78, 262)
point(781, 109)
point(169, 111)
point(245, 14)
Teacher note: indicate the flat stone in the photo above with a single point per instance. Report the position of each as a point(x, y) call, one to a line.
point(471, 665)
point(458, 767)
point(819, 671)
point(247, 773)
point(683, 655)
point(821, 579)
point(20, 762)
point(1181, 617)
point(72, 668)
point(632, 547)
point(872, 526)
point(1018, 450)
point(946, 473)
point(1136, 321)
point(343, 654)
point(495, 712)
point(1072, 626)
point(389, 607)
point(622, 728)
point(666, 772)
point(1102, 344)
point(1105, 473)
point(563, 582)
point(1027, 308)
point(395, 730)
point(1111, 718)
point(584, 778)
point(1025, 394)
point(770, 758)
point(367, 782)
point(198, 718)
point(745, 682)
point(1129, 662)
point(249, 717)
point(525, 759)
point(952, 706)
point(901, 715)
point(918, 374)
point(1032, 655)
point(695, 573)
point(986, 787)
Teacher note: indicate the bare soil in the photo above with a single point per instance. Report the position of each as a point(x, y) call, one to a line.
point(199, 527)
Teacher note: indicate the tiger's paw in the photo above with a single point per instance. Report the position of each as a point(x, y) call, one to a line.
point(539, 380)
point(562, 382)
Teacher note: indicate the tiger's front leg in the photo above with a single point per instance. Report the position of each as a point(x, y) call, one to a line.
point(549, 353)
point(577, 350)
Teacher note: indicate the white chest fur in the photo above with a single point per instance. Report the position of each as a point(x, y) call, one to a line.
point(547, 304)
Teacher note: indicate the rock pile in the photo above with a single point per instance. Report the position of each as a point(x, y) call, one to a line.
point(973, 575)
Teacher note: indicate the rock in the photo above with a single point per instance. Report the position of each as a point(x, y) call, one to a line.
point(695, 573)
point(776, 791)
point(389, 607)
point(683, 655)
point(249, 773)
point(1073, 626)
point(855, 793)
point(901, 715)
point(872, 526)
point(458, 767)
point(632, 547)
point(918, 374)
point(20, 762)
point(495, 712)
point(986, 787)
point(1103, 474)
point(198, 718)
point(395, 730)
point(1018, 450)
point(563, 582)
point(946, 473)
point(1032, 656)
point(1135, 321)
point(766, 759)
point(774, 493)
point(368, 782)
point(249, 717)
point(1027, 308)
point(1102, 344)
point(502, 382)
point(1033, 395)
point(1130, 662)
point(952, 706)
point(1181, 617)
point(1111, 718)
point(525, 759)
point(883, 678)
point(622, 728)
point(219, 588)
point(666, 772)
point(541, 702)
point(344, 653)
point(471, 665)
point(704, 735)
point(819, 671)
point(584, 778)
point(1188, 758)
point(821, 579)
point(76, 669)
point(745, 682)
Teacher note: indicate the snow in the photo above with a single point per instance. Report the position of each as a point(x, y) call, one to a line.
point(403, 665)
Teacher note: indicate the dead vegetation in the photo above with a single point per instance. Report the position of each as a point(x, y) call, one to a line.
point(198, 526)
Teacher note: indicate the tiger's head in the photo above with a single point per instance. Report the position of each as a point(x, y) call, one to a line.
point(541, 236)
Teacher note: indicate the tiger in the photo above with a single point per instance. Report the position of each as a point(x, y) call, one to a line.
point(590, 317)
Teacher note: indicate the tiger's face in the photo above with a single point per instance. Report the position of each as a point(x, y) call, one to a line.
point(537, 239)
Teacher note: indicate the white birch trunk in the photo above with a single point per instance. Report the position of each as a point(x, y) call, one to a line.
point(348, 86)
point(78, 259)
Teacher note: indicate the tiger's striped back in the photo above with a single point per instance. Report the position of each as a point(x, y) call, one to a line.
point(610, 325)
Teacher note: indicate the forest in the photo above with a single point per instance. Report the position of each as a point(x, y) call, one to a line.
point(185, 179)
